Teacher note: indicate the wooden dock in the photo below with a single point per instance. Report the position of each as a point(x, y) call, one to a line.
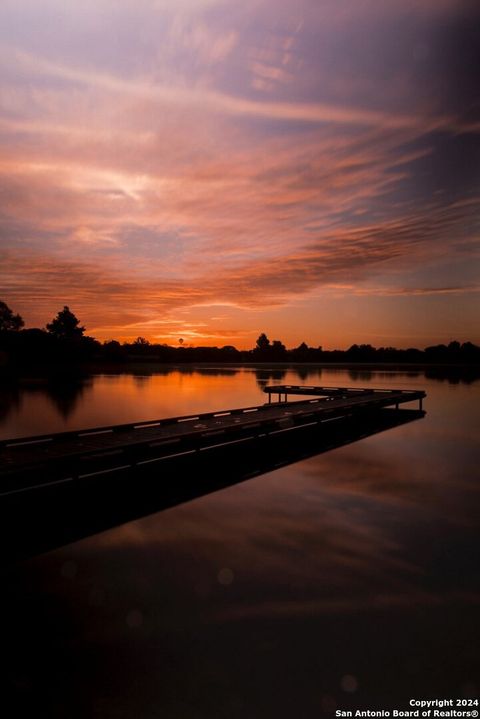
point(53, 514)
point(30, 463)
point(345, 393)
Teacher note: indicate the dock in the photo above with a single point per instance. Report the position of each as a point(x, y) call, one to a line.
point(341, 393)
point(59, 488)
point(29, 462)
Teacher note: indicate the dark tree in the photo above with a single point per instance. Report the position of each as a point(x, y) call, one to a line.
point(278, 350)
point(113, 351)
point(141, 342)
point(65, 325)
point(263, 343)
point(301, 353)
point(8, 321)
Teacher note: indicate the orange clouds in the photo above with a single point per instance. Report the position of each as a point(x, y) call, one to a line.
point(116, 304)
point(161, 185)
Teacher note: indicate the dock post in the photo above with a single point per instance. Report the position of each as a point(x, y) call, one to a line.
point(420, 403)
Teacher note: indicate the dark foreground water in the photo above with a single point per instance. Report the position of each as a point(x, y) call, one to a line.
point(346, 581)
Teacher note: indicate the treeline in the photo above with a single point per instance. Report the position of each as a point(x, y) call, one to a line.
point(63, 342)
point(276, 351)
point(454, 353)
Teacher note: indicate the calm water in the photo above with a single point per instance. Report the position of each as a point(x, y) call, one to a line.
point(348, 580)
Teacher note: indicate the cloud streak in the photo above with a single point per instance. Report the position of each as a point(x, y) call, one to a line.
point(233, 161)
point(337, 263)
point(205, 99)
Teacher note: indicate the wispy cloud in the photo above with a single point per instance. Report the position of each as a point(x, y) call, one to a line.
point(205, 99)
point(132, 304)
point(168, 181)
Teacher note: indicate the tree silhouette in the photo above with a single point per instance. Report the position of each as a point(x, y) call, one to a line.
point(65, 325)
point(8, 321)
point(278, 350)
point(263, 343)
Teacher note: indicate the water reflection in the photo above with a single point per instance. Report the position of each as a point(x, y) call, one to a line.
point(305, 373)
point(454, 375)
point(147, 369)
point(150, 392)
point(269, 376)
point(360, 375)
point(61, 394)
point(65, 394)
point(348, 580)
point(10, 398)
point(139, 492)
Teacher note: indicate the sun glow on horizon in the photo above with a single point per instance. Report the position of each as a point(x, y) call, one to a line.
point(296, 170)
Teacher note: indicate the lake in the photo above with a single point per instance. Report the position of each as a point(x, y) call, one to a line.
point(345, 581)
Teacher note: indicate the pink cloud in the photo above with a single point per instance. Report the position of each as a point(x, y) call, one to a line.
point(165, 186)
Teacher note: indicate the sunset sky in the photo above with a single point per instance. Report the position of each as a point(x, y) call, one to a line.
point(212, 169)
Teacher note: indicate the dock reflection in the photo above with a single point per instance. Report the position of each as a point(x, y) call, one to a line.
point(55, 515)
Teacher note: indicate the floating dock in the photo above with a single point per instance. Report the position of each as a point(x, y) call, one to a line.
point(30, 463)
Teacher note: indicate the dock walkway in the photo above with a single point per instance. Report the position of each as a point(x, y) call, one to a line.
point(29, 462)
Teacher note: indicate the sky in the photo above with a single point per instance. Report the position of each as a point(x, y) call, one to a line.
point(209, 169)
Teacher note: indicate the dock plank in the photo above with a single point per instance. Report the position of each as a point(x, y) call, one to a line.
point(97, 450)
